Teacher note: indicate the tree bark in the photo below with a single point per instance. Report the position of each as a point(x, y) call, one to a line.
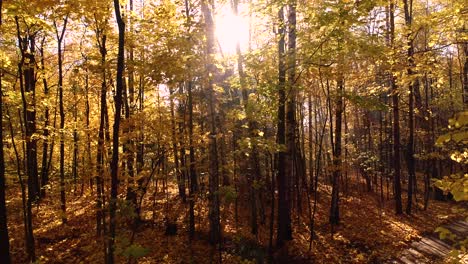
point(27, 84)
point(215, 228)
point(396, 120)
point(115, 134)
point(408, 9)
point(101, 38)
point(334, 209)
point(4, 238)
point(45, 144)
point(291, 124)
point(62, 117)
point(284, 231)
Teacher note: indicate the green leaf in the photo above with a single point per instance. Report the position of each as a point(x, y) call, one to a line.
point(443, 232)
point(135, 251)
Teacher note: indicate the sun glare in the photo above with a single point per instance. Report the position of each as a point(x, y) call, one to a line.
point(230, 29)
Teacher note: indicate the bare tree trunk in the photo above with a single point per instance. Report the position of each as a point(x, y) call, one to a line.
point(26, 210)
point(115, 134)
point(101, 38)
point(408, 9)
point(193, 176)
point(193, 183)
point(215, 228)
point(88, 133)
point(291, 124)
point(45, 144)
point(75, 138)
point(62, 116)
point(128, 145)
point(4, 238)
point(464, 47)
point(284, 230)
point(334, 209)
point(27, 85)
point(177, 169)
point(310, 143)
point(396, 121)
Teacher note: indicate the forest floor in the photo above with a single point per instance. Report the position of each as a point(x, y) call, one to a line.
point(369, 232)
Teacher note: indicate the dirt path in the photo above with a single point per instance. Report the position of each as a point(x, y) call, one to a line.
point(431, 249)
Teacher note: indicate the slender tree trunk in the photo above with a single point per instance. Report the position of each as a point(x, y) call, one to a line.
point(115, 135)
point(75, 138)
point(62, 117)
point(317, 172)
point(464, 47)
point(408, 9)
point(215, 228)
point(4, 238)
point(284, 230)
point(396, 120)
point(181, 109)
point(193, 176)
point(88, 132)
point(310, 143)
point(177, 169)
point(291, 124)
point(272, 209)
point(27, 85)
point(193, 183)
point(129, 101)
point(101, 39)
point(334, 209)
point(24, 202)
point(45, 144)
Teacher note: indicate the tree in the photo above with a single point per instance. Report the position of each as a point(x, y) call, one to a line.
point(60, 36)
point(26, 69)
point(46, 133)
point(215, 227)
point(334, 209)
point(100, 29)
point(396, 118)
point(4, 238)
point(284, 203)
point(115, 135)
point(412, 86)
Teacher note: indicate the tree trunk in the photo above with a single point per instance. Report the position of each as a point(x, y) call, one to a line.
point(408, 9)
point(88, 133)
point(396, 120)
point(464, 46)
point(334, 209)
point(75, 138)
point(215, 228)
point(4, 238)
point(101, 39)
point(129, 101)
point(45, 144)
point(115, 134)
point(310, 145)
point(62, 117)
point(284, 231)
point(177, 170)
point(193, 183)
point(291, 124)
point(27, 85)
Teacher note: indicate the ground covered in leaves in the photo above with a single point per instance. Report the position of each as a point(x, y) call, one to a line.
point(370, 232)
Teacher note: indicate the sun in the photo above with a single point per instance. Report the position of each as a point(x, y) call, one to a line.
point(231, 29)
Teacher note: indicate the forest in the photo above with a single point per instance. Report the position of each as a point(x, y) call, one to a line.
point(233, 131)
